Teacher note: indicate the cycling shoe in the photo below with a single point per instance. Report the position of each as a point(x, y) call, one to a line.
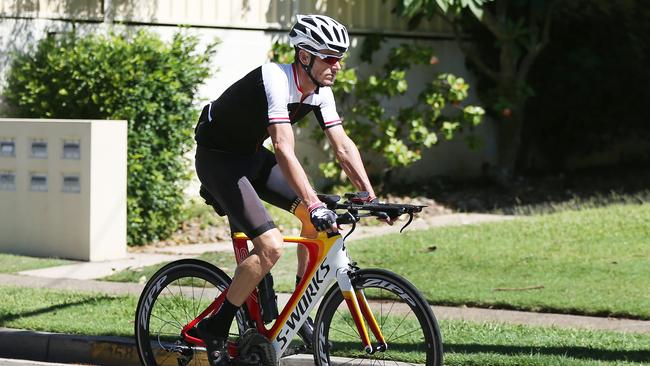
point(216, 346)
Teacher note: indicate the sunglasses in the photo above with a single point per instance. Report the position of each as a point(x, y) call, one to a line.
point(328, 59)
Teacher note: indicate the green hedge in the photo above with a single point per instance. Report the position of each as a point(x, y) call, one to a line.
point(135, 77)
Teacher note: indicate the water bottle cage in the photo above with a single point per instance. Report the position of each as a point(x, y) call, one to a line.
point(268, 299)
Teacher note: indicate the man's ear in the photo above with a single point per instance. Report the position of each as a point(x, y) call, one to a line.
point(304, 56)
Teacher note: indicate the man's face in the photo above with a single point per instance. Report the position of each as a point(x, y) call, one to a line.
point(325, 67)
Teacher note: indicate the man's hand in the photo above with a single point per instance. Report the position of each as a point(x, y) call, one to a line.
point(322, 218)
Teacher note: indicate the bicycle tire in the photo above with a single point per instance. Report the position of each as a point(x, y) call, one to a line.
point(158, 319)
point(337, 340)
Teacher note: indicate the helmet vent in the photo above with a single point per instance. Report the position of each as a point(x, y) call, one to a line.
point(326, 33)
point(336, 34)
point(299, 27)
point(316, 37)
point(310, 21)
point(338, 48)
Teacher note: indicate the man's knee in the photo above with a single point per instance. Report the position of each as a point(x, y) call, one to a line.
point(273, 253)
point(270, 248)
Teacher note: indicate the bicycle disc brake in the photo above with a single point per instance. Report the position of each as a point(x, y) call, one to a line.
point(255, 349)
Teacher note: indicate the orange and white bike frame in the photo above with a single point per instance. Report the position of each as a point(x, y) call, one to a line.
point(328, 262)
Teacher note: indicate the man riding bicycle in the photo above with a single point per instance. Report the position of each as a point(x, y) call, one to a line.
point(237, 172)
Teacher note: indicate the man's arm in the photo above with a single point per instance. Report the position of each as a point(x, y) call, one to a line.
point(284, 144)
point(349, 158)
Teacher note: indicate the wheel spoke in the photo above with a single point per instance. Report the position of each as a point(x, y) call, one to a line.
point(192, 287)
point(398, 326)
point(173, 318)
point(167, 321)
point(392, 304)
point(163, 305)
point(350, 323)
point(350, 360)
point(381, 314)
point(404, 335)
point(201, 298)
point(182, 297)
point(346, 333)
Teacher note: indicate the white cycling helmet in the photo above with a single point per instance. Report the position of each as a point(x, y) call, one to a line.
point(319, 32)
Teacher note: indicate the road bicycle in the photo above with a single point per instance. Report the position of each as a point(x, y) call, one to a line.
point(361, 303)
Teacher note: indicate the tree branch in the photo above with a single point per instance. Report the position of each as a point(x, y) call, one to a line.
point(537, 48)
point(469, 53)
point(491, 23)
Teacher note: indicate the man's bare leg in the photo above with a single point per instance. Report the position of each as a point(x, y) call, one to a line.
point(267, 250)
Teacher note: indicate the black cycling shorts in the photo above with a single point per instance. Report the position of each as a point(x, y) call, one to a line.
point(234, 184)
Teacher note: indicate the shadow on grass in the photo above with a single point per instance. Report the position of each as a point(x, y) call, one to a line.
point(6, 318)
point(571, 351)
point(576, 352)
point(537, 194)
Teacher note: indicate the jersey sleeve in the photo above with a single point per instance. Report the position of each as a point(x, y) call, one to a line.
point(276, 87)
point(326, 111)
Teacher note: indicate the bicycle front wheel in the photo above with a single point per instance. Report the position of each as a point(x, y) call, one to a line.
point(172, 298)
point(403, 315)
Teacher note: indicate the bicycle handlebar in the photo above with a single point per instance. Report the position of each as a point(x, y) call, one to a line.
point(352, 209)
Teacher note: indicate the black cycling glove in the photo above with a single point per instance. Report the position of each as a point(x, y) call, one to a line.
point(322, 218)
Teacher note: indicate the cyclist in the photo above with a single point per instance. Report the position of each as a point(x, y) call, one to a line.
point(236, 171)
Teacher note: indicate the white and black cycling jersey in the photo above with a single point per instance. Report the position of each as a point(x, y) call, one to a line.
point(238, 120)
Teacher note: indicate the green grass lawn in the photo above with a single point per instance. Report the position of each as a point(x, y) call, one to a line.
point(10, 263)
point(465, 343)
point(594, 262)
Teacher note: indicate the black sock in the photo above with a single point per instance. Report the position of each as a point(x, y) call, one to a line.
point(219, 323)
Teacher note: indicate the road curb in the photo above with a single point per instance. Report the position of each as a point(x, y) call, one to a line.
point(65, 348)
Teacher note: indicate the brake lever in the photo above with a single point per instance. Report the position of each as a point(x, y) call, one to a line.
point(354, 226)
point(351, 219)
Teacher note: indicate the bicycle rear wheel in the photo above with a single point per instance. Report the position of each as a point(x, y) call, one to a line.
point(173, 297)
point(404, 317)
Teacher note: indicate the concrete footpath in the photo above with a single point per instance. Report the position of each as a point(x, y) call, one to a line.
point(73, 349)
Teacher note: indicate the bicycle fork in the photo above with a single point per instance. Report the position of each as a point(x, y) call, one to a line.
point(359, 309)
